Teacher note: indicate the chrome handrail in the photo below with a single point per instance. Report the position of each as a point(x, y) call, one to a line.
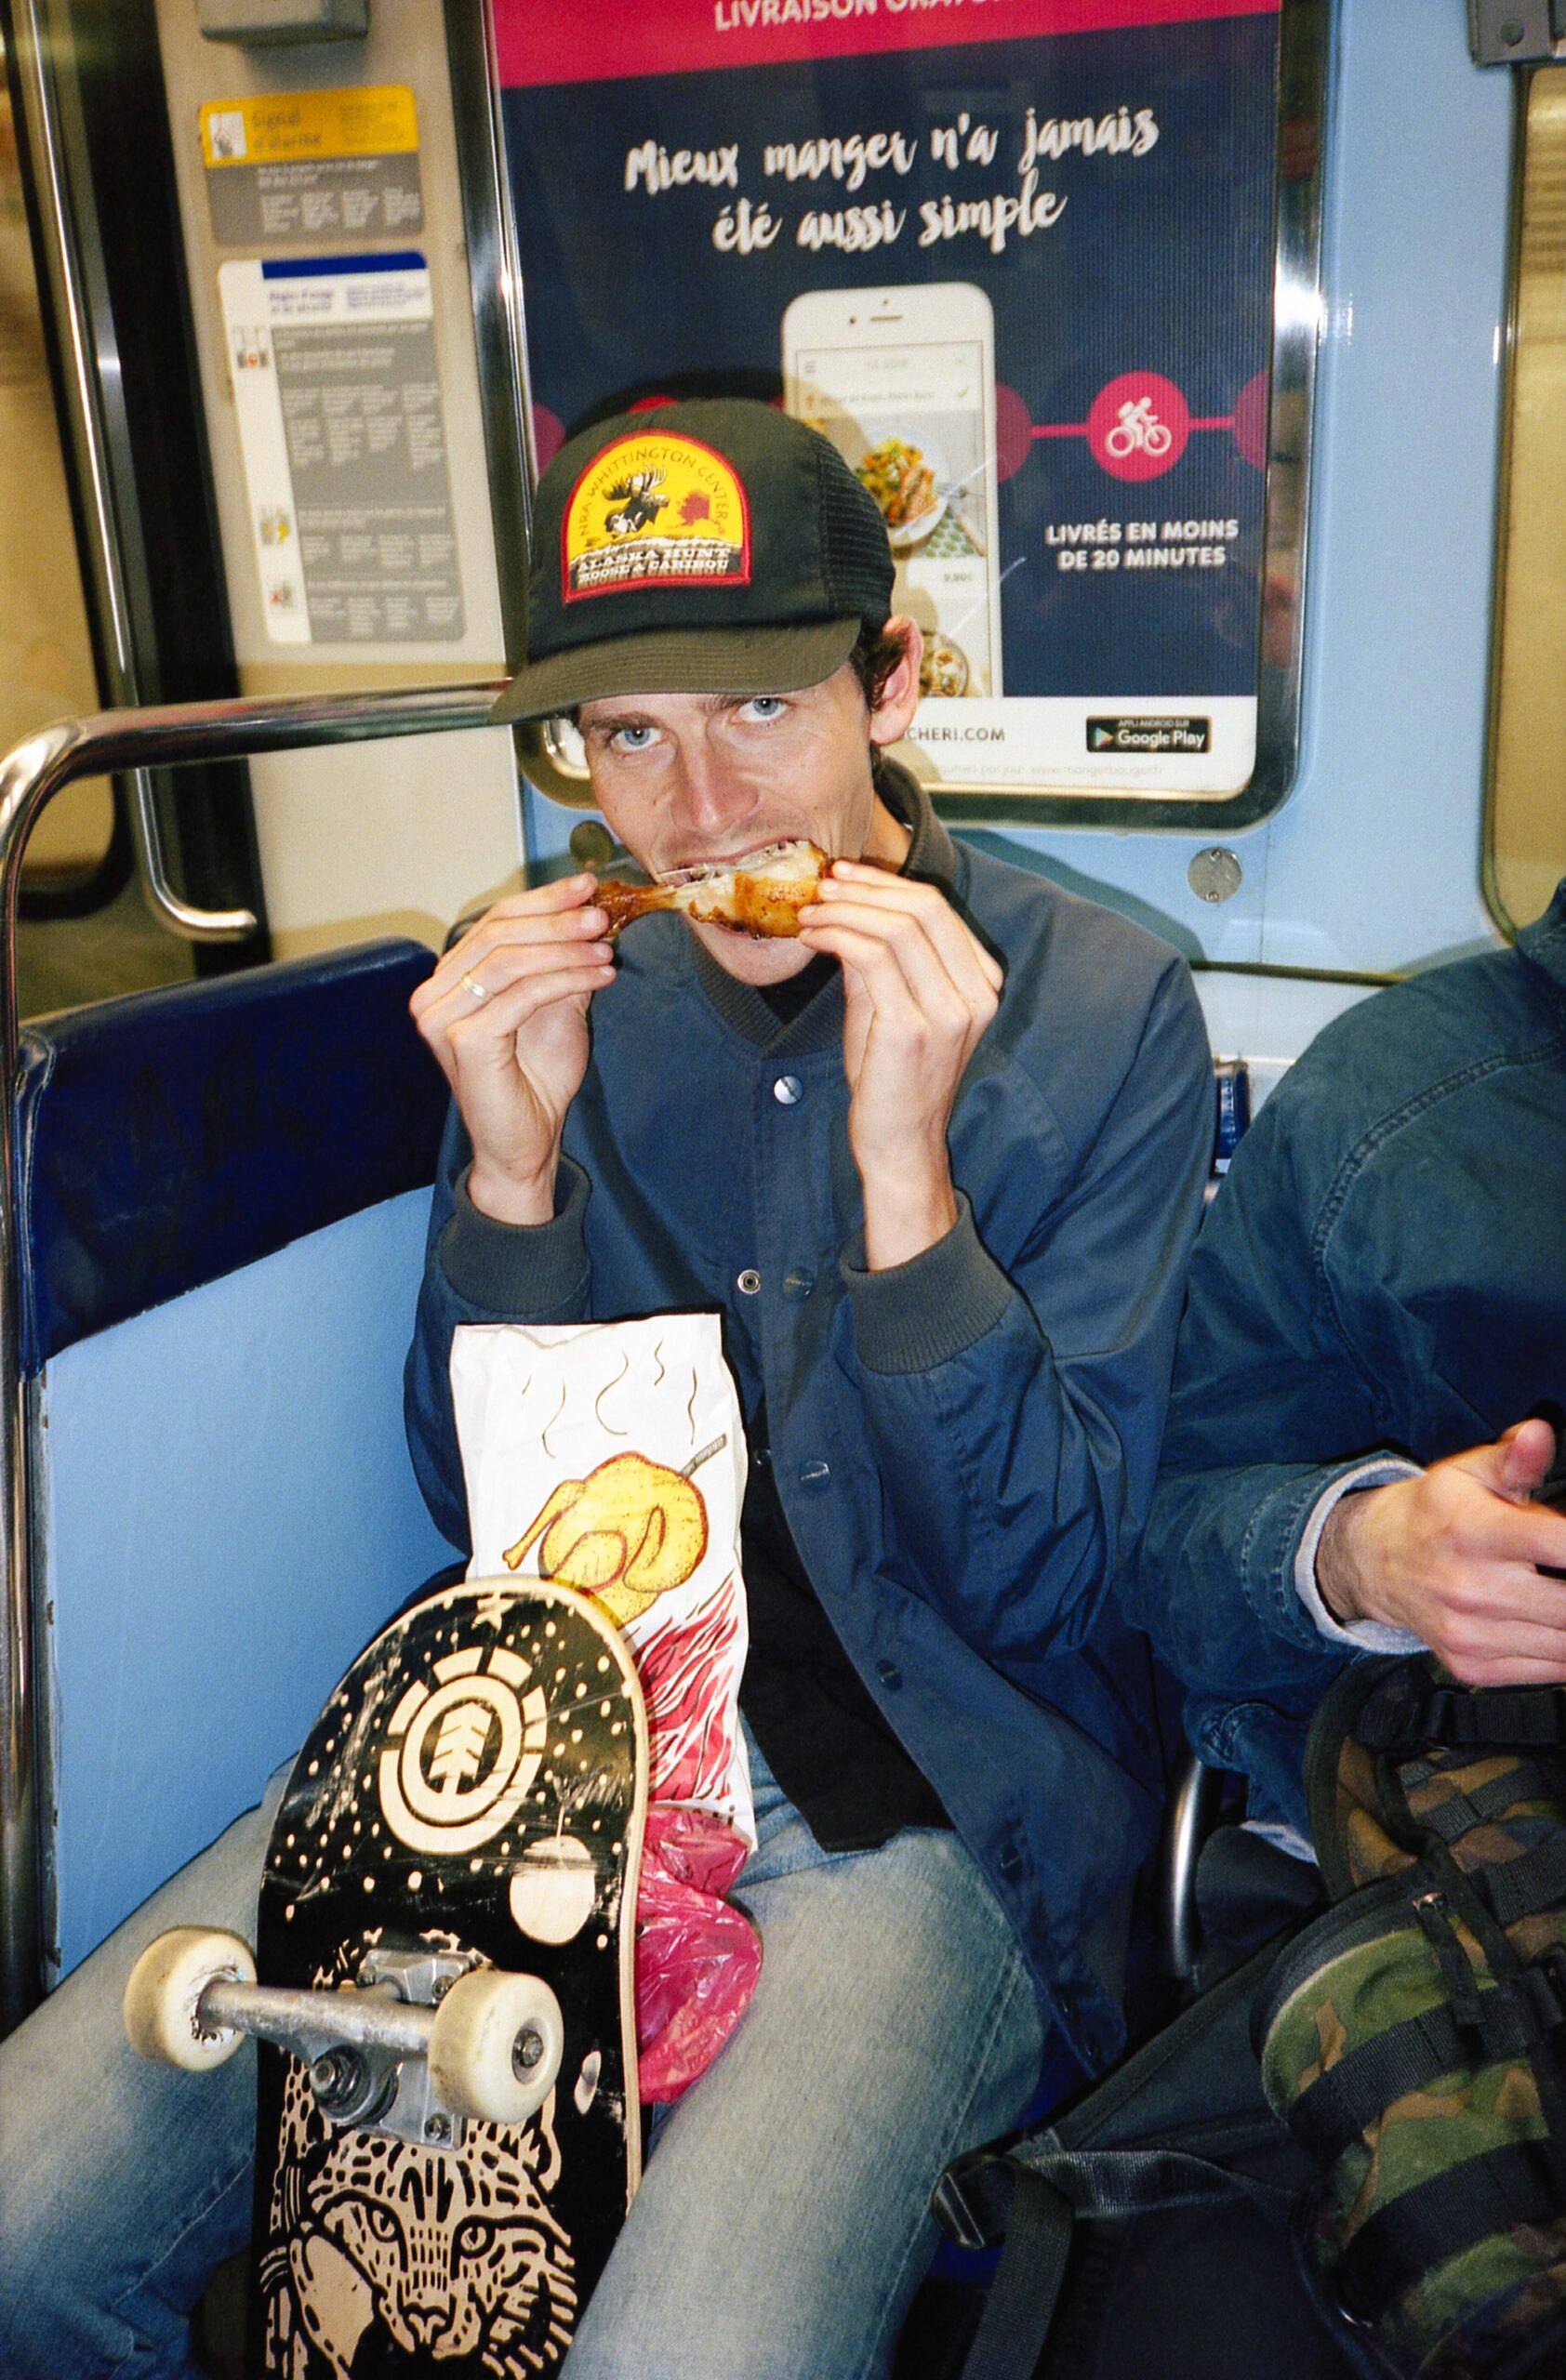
point(179, 914)
point(30, 777)
point(1193, 1809)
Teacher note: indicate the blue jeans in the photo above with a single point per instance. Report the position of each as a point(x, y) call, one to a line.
point(783, 2222)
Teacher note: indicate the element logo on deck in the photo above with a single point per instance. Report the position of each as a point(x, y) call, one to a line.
point(655, 510)
point(462, 1754)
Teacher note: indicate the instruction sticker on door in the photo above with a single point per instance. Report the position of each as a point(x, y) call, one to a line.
point(338, 399)
point(299, 166)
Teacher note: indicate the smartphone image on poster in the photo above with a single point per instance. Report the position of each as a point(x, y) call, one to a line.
point(903, 383)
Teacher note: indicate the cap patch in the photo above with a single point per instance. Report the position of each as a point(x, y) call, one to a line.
point(654, 508)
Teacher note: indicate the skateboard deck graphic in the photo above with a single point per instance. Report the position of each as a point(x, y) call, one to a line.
point(471, 1798)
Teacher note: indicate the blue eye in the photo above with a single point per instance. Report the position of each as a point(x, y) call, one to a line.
point(633, 739)
point(763, 708)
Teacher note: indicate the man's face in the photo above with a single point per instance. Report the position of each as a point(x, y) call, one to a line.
point(692, 780)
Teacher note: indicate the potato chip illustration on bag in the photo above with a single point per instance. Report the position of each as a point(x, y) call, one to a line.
point(625, 1535)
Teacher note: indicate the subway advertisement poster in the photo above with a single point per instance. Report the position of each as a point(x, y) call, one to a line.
point(1014, 257)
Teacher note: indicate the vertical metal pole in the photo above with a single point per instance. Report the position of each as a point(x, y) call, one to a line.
point(27, 779)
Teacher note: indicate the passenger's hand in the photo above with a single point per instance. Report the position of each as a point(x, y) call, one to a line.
point(504, 1013)
point(920, 989)
point(1455, 1555)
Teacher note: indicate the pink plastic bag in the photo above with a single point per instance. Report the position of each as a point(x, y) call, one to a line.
point(697, 1957)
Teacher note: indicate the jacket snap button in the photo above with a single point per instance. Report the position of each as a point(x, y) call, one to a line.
point(812, 1473)
point(799, 1283)
point(890, 1675)
point(788, 1090)
point(749, 1283)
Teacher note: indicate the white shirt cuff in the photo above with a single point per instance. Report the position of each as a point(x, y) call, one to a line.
point(1284, 1837)
point(1364, 1635)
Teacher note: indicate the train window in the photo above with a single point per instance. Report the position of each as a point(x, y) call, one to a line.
point(1525, 841)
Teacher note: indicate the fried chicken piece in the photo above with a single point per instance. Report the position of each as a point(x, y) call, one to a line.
point(761, 895)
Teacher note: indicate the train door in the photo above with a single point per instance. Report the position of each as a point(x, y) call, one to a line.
point(361, 416)
point(311, 512)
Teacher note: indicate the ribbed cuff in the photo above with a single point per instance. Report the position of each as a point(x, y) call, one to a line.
point(915, 1316)
point(520, 1270)
point(1364, 1635)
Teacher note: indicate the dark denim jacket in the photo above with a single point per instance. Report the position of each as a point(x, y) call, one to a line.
point(1384, 1270)
point(965, 1447)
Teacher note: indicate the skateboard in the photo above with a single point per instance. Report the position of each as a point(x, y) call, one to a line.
point(448, 2127)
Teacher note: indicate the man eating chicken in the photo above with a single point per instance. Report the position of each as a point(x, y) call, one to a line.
point(935, 1152)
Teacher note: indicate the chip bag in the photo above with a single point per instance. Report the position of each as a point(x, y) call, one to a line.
point(610, 1458)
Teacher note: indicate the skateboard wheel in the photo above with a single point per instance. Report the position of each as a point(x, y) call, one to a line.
point(165, 1984)
point(496, 2046)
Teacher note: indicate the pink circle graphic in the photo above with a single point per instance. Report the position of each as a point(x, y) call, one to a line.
point(1014, 432)
point(1137, 425)
point(1249, 421)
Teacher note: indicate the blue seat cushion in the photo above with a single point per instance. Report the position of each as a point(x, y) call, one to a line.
point(166, 1139)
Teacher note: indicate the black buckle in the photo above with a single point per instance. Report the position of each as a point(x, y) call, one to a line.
point(973, 2199)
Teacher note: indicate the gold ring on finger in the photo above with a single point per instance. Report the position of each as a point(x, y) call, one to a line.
point(472, 983)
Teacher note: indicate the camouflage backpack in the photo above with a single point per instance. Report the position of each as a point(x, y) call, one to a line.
point(1414, 2037)
point(1386, 2093)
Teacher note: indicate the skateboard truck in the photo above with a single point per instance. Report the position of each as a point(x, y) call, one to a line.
point(421, 2041)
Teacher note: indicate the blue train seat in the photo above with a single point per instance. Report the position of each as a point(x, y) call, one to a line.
point(224, 1192)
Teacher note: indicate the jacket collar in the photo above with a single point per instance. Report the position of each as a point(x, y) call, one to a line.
point(932, 855)
point(932, 858)
point(1544, 941)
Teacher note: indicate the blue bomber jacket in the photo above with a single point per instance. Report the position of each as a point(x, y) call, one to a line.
point(1383, 1275)
point(965, 1447)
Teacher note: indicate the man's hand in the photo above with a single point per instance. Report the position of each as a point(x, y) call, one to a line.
point(1455, 1556)
point(920, 989)
point(504, 1013)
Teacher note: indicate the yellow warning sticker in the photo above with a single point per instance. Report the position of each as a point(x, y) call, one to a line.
point(378, 121)
point(654, 507)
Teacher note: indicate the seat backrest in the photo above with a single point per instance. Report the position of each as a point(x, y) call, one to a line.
point(223, 1193)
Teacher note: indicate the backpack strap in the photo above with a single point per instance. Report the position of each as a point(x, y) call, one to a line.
point(1515, 2017)
point(1461, 1812)
point(1106, 2156)
point(1521, 1888)
point(1037, 2202)
point(1411, 2235)
point(1463, 1717)
point(1027, 2286)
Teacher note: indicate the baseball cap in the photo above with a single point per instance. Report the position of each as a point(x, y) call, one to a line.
point(717, 547)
